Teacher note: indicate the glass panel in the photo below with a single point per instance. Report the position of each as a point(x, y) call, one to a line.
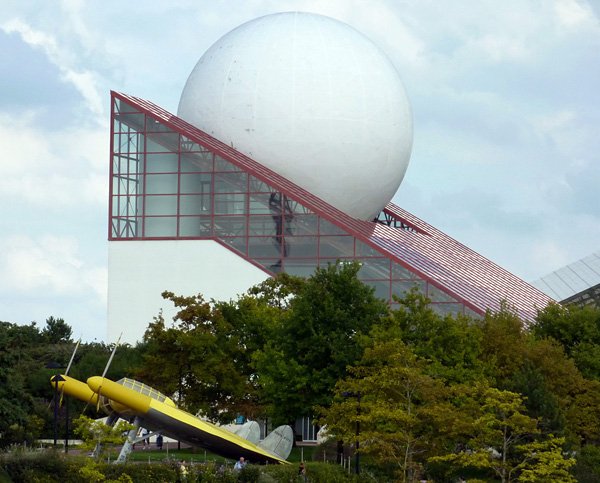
point(263, 247)
point(162, 142)
point(126, 143)
point(133, 120)
point(194, 226)
point(326, 228)
point(197, 162)
point(230, 226)
point(125, 227)
point(160, 226)
point(188, 145)
point(374, 268)
point(238, 243)
point(124, 106)
point(298, 208)
point(195, 183)
point(399, 272)
point(123, 205)
point(261, 225)
point(231, 182)
point(223, 165)
point(194, 204)
point(162, 163)
point(436, 295)
point(364, 250)
point(258, 186)
point(154, 125)
point(332, 246)
point(161, 205)
point(443, 309)
point(472, 313)
point(230, 204)
point(324, 262)
point(302, 246)
point(270, 264)
point(161, 183)
point(401, 288)
point(382, 289)
point(301, 268)
point(305, 224)
point(259, 204)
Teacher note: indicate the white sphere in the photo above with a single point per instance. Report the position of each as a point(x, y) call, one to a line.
point(312, 99)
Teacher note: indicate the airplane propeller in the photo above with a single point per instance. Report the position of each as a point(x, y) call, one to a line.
point(59, 378)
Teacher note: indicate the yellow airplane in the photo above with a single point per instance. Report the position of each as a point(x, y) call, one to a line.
point(148, 408)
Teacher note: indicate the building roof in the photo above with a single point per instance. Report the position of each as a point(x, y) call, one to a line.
point(567, 283)
point(444, 262)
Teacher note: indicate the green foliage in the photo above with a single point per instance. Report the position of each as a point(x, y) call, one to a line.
point(57, 331)
point(318, 337)
point(544, 461)
point(15, 402)
point(452, 344)
point(95, 433)
point(315, 473)
point(577, 329)
point(43, 467)
point(203, 358)
point(587, 466)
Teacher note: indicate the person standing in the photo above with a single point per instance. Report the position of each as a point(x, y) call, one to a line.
point(302, 471)
point(240, 464)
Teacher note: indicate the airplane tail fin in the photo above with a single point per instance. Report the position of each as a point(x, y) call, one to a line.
point(279, 441)
point(250, 430)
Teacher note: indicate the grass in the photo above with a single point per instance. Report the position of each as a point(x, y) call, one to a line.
point(198, 455)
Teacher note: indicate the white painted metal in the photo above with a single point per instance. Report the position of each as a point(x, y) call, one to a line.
point(311, 98)
point(139, 271)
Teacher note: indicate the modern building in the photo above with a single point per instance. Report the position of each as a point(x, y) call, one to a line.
point(192, 215)
point(577, 283)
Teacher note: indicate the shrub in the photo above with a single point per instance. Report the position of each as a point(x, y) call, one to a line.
point(46, 466)
point(315, 473)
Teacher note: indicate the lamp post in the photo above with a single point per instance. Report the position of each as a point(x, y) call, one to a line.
point(357, 442)
point(55, 380)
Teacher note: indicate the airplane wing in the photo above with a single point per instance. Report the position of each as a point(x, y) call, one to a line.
point(176, 423)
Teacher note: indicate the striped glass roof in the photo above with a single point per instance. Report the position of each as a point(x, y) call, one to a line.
point(440, 260)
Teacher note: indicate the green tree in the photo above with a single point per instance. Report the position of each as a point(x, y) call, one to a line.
point(201, 358)
point(57, 331)
point(545, 461)
point(577, 329)
point(96, 434)
point(15, 402)
point(402, 411)
point(499, 427)
point(318, 337)
point(452, 344)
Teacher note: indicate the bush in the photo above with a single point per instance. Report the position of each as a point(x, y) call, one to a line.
point(587, 466)
point(140, 471)
point(56, 467)
point(34, 466)
point(249, 474)
point(315, 473)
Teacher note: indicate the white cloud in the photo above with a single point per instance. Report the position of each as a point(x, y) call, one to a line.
point(52, 169)
point(48, 263)
point(573, 14)
point(83, 80)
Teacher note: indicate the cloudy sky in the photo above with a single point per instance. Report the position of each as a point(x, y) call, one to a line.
point(505, 96)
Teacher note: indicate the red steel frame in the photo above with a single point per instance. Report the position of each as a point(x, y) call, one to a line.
point(433, 257)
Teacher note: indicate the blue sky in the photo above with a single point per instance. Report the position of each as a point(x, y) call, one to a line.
point(505, 98)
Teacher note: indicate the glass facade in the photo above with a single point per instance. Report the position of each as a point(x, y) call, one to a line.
point(167, 186)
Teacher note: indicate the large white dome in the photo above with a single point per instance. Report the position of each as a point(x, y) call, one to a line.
point(312, 99)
